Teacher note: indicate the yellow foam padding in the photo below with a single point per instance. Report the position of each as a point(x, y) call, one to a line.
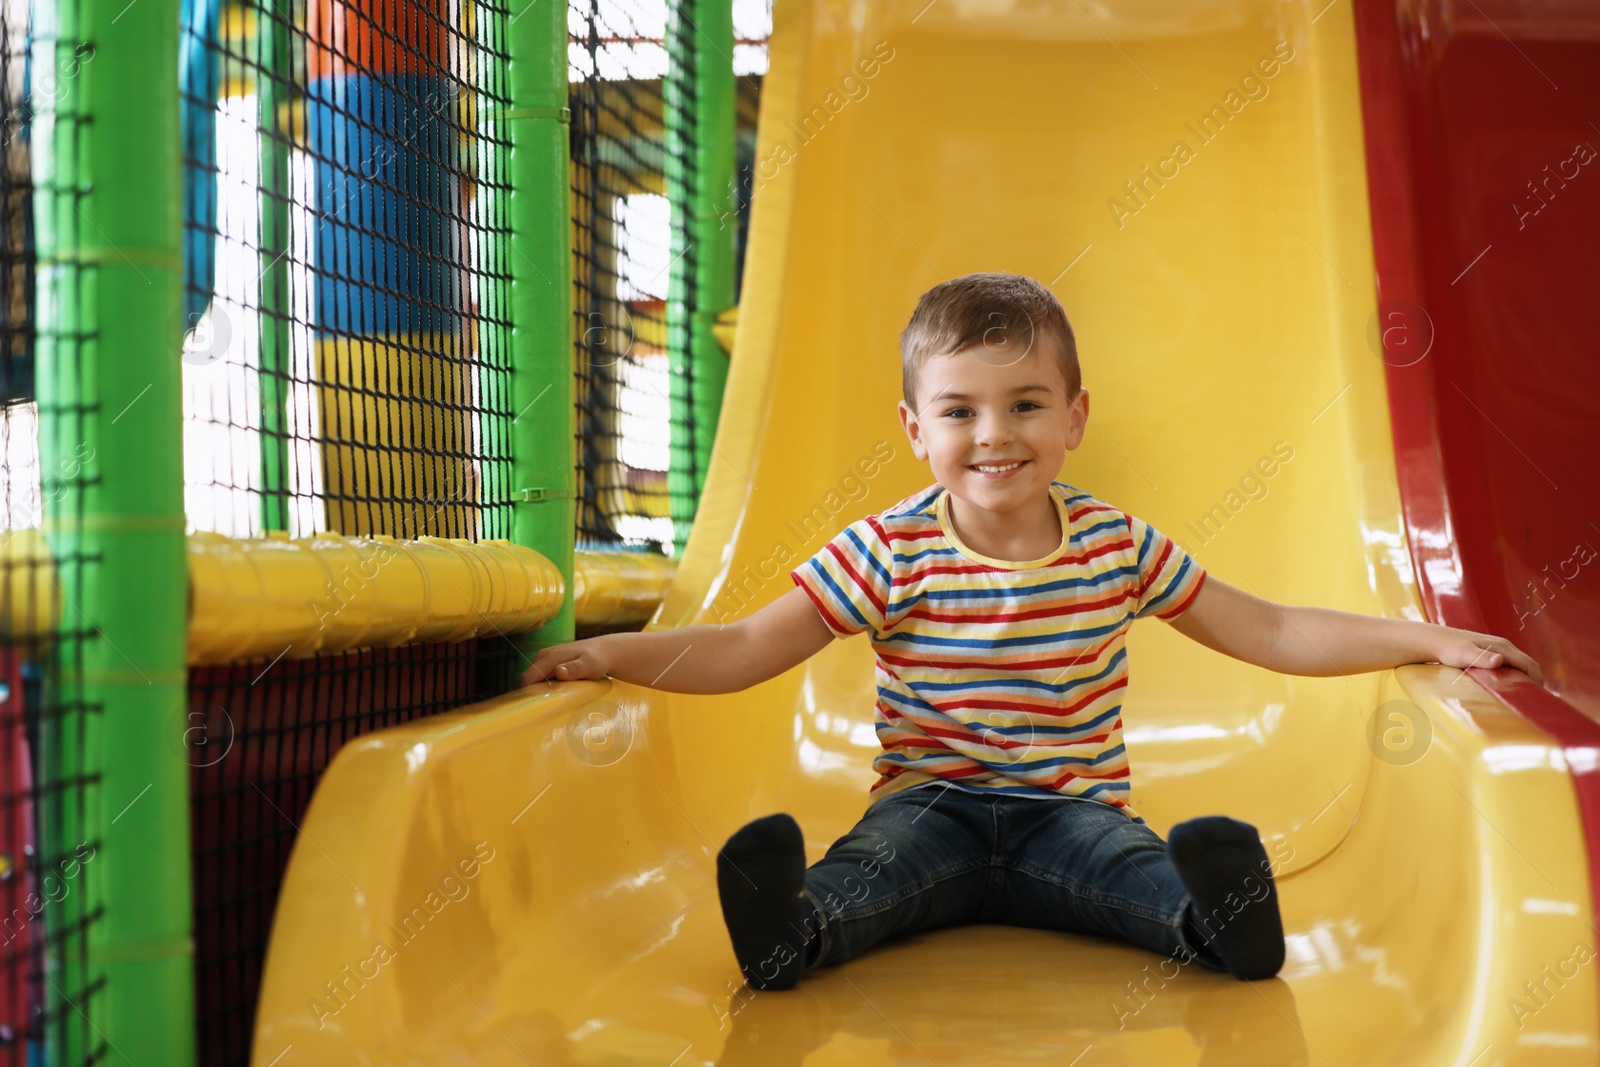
point(613, 589)
point(271, 596)
point(1420, 899)
point(30, 594)
point(266, 596)
point(391, 410)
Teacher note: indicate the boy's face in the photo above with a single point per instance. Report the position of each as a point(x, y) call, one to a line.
point(995, 407)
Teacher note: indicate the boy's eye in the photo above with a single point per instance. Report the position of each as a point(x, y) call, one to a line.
point(958, 412)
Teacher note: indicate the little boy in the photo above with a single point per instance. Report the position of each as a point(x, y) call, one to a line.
point(998, 600)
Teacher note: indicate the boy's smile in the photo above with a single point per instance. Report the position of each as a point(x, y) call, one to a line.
point(995, 427)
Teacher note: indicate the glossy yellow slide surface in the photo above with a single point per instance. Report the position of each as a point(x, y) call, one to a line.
point(532, 881)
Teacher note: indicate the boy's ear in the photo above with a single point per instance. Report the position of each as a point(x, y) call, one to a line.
point(1080, 423)
point(908, 421)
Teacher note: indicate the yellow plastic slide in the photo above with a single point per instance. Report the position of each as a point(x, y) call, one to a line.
point(531, 881)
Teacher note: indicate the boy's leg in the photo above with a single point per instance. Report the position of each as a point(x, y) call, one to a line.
point(916, 860)
point(1082, 866)
point(1233, 904)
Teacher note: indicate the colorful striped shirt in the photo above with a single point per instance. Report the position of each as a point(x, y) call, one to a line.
point(994, 675)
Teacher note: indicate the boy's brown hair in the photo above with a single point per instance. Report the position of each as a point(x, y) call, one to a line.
point(992, 309)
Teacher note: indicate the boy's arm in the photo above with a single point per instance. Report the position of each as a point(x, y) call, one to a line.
point(1321, 641)
point(722, 658)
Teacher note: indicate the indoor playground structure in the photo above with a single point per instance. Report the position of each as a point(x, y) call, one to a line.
point(354, 350)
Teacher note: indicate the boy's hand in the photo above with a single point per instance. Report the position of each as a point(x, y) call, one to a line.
point(570, 662)
point(1464, 648)
point(707, 658)
point(1319, 642)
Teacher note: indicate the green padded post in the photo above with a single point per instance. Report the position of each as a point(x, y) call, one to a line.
point(273, 39)
point(109, 314)
point(701, 130)
point(542, 387)
point(488, 165)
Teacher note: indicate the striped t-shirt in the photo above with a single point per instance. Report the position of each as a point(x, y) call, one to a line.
point(993, 675)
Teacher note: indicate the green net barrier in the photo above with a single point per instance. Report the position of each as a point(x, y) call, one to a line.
point(332, 327)
point(346, 368)
point(652, 145)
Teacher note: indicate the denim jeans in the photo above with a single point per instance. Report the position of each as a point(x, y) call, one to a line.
point(936, 855)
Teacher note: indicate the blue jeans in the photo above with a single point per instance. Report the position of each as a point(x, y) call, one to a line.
point(936, 855)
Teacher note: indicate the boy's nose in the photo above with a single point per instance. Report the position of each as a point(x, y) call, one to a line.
point(992, 431)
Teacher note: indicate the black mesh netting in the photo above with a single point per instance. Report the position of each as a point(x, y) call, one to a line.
point(632, 182)
point(628, 241)
point(345, 347)
point(48, 991)
point(266, 735)
point(345, 341)
point(21, 907)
